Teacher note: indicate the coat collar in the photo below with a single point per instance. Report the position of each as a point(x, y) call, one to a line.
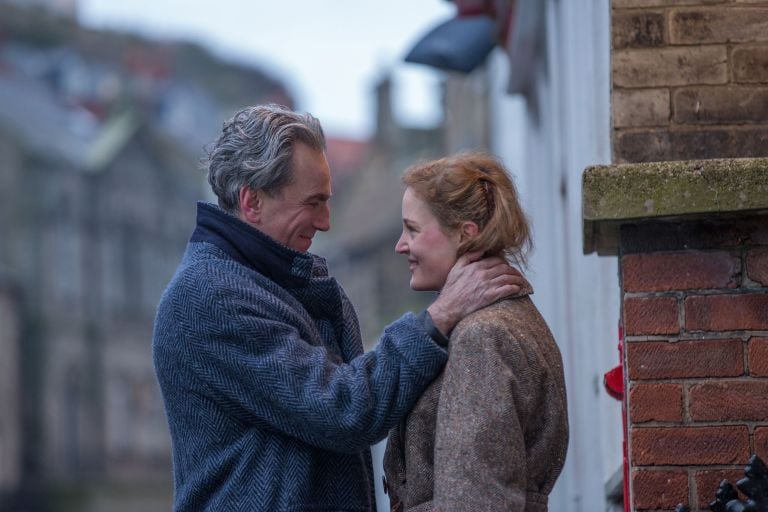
point(525, 289)
point(253, 248)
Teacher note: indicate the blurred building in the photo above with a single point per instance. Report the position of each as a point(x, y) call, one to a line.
point(67, 8)
point(10, 392)
point(101, 137)
point(367, 221)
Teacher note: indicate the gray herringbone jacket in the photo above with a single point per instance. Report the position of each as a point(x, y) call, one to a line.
point(490, 434)
point(271, 403)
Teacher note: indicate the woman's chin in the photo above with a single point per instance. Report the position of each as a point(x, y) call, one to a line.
point(420, 286)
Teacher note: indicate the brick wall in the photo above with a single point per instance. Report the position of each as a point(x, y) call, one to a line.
point(689, 79)
point(695, 314)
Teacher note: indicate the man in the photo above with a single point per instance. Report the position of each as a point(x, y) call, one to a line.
point(271, 403)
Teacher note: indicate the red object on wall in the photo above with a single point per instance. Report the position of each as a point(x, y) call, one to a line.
point(613, 380)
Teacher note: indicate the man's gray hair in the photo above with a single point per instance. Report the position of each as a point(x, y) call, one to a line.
point(256, 150)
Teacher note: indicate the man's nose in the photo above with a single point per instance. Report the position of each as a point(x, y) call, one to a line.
point(323, 219)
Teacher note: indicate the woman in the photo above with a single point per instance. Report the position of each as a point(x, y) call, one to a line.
point(491, 432)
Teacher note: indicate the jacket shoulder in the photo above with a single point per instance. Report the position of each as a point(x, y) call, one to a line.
point(510, 318)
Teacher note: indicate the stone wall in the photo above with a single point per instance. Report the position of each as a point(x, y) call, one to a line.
point(689, 79)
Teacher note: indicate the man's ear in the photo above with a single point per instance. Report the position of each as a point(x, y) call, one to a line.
point(469, 230)
point(251, 205)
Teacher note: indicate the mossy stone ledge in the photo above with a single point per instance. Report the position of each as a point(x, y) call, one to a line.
point(613, 195)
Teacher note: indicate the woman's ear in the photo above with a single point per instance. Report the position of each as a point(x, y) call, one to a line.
point(469, 230)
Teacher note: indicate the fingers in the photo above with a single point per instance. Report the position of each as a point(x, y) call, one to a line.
point(502, 291)
point(496, 270)
point(469, 257)
point(474, 286)
point(494, 261)
point(509, 280)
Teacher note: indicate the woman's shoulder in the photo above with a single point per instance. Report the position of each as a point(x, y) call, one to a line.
point(500, 315)
point(511, 325)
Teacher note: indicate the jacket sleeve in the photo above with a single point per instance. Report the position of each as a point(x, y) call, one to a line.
point(246, 356)
point(480, 456)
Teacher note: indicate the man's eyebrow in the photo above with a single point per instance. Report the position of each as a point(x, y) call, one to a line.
point(318, 197)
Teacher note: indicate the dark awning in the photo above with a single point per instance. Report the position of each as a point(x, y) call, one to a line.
point(459, 44)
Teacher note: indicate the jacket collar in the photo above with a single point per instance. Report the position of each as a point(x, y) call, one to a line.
point(253, 248)
point(525, 289)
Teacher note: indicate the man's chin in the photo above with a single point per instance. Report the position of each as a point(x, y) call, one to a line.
point(302, 244)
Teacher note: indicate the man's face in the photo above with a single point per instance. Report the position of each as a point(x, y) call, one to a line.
point(299, 210)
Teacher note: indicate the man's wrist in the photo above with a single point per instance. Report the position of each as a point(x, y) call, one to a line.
point(441, 320)
point(433, 330)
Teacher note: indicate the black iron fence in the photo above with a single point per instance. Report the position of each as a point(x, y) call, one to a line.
point(754, 486)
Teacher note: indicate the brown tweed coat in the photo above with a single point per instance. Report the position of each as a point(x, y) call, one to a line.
point(491, 432)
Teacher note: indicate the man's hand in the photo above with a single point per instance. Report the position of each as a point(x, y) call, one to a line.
point(472, 284)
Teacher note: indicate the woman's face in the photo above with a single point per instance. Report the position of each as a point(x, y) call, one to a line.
point(431, 251)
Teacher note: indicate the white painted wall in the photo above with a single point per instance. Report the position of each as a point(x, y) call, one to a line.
point(547, 139)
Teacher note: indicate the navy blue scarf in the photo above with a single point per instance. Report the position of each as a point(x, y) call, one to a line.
point(248, 246)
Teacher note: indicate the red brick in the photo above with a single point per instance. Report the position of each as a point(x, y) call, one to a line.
point(757, 266)
point(750, 64)
point(761, 442)
point(718, 25)
point(655, 315)
point(656, 402)
point(758, 357)
point(658, 272)
point(720, 105)
point(659, 489)
point(685, 359)
point(726, 312)
point(729, 401)
point(707, 482)
point(683, 446)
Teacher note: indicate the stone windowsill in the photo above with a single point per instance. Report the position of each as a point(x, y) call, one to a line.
point(613, 195)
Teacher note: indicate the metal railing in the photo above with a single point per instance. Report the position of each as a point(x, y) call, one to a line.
point(754, 486)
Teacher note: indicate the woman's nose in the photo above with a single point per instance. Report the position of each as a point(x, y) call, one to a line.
point(401, 247)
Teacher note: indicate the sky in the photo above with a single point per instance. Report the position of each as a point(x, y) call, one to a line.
point(329, 53)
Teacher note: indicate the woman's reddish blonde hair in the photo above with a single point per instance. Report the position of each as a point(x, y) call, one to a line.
point(474, 187)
